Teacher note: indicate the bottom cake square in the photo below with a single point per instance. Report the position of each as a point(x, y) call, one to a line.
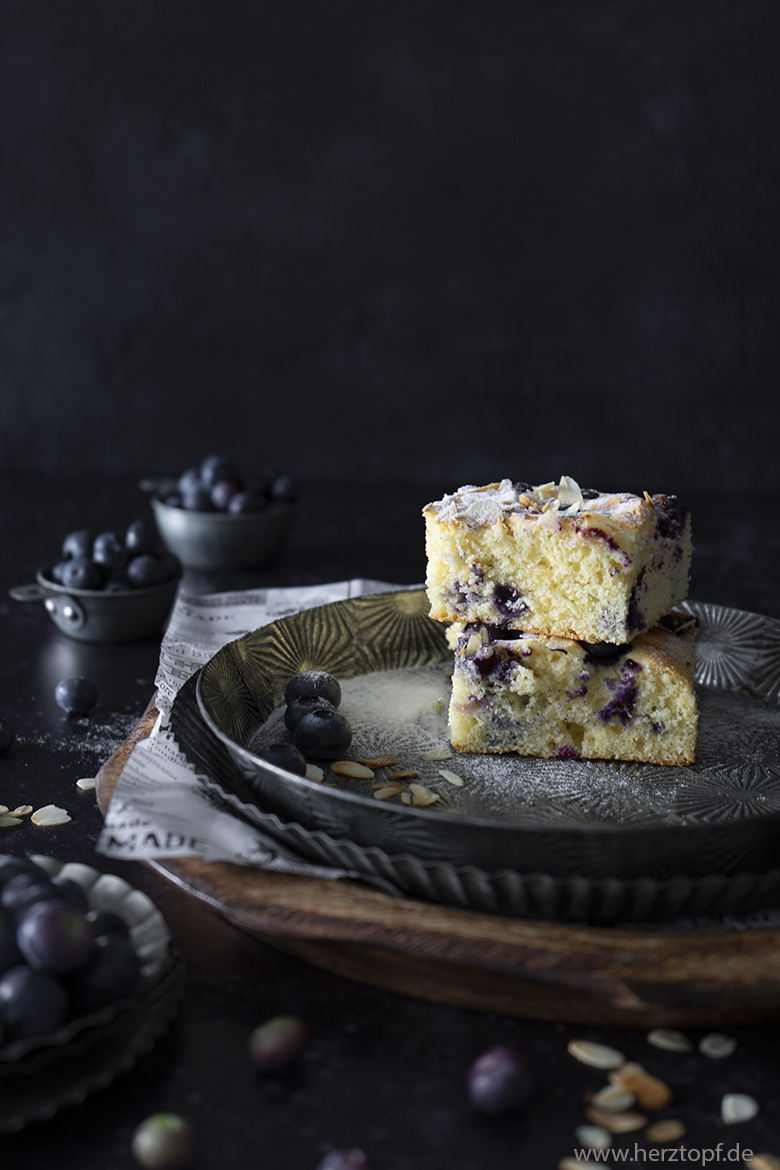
point(539, 696)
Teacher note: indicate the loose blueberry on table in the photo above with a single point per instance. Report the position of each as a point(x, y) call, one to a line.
point(500, 1081)
point(76, 696)
point(277, 1045)
point(218, 484)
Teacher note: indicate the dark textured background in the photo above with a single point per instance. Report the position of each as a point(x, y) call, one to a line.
point(456, 241)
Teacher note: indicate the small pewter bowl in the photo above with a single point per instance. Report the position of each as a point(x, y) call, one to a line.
point(93, 615)
point(224, 540)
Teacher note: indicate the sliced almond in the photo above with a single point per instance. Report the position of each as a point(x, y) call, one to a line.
point(21, 810)
point(422, 796)
point(86, 784)
point(436, 754)
point(397, 777)
point(386, 791)
point(352, 769)
point(314, 772)
point(9, 822)
point(596, 1055)
point(383, 761)
point(737, 1107)
point(763, 1162)
point(3, 809)
point(616, 1122)
point(613, 1099)
point(668, 1130)
point(650, 1092)
point(451, 777)
point(50, 815)
point(717, 1046)
point(593, 1137)
point(669, 1039)
point(406, 798)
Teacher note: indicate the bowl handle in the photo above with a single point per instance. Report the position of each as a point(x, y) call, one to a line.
point(32, 592)
point(63, 608)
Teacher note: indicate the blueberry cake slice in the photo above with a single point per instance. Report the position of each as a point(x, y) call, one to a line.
point(557, 560)
point(546, 696)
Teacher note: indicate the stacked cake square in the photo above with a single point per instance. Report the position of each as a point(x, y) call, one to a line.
point(561, 610)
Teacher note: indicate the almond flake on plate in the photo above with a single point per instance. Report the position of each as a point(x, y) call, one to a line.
point(736, 1107)
point(451, 777)
point(352, 769)
point(314, 772)
point(383, 761)
point(436, 754)
point(21, 810)
point(9, 822)
point(386, 791)
point(50, 815)
point(717, 1046)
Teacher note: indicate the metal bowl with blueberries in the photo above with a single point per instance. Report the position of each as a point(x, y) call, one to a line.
point(213, 516)
point(109, 587)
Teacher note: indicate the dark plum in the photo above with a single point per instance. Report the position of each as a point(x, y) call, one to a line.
point(82, 573)
point(313, 682)
point(344, 1160)
point(71, 892)
point(278, 1044)
point(500, 1081)
point(32, 1003)
point(105, 922)
point(55, 937)
point(76, 696)
point(25, 889)
point(10, 955)
point(112, 973)
point(302, 706)
point(109, 551)
point(164, 1141)
point(7, 734)
point(284, 755)
point(77, 544)
point(144, 571)
point(323, 734)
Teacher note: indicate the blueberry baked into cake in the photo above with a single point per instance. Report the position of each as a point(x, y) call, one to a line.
point(561, 610)
point(557, 560)
point(539, 696)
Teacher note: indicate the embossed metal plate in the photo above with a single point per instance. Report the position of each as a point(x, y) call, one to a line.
point(720, 815)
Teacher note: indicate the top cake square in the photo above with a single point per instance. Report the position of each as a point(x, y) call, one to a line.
point(556, 559)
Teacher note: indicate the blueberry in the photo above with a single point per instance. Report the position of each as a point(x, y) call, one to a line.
point(7, 734)
point(163, 1142)
point(248, 501)
point(77, 544)
point(299, 707)
point(76, 696)
point(216, 467)
point(113, 972)
point(197, 499)
point(189, 480)
point(32, 1003)
point(109, 551)
point(278, 1044)
point(105, 922)
point(313, 682)
point(140, 539)
point(500, 1081)
point(344, 1160)
point(82, 573)
point(11, 865)
point(284, 755)
point(323, 734)
point(57, 572)
point(174, 500)
point(55, 937)
point(145, 571)
point(283, 488)
point(223, 492)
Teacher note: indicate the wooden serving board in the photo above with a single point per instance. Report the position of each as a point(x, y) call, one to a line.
point(520, 968)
